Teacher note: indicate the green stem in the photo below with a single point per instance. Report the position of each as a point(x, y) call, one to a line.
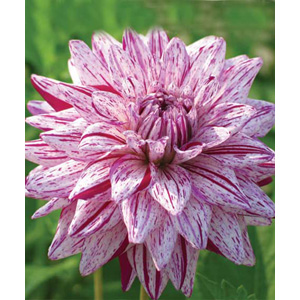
point(98, 286)
point(143, 294)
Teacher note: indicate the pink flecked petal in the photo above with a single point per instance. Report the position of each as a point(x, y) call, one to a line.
point(182, 266)
point(240, 151)
point(53, 120)
point(37, 107)
point(193, 222)
point(232, 116)
point(187, 152)
point(171, 188)
point(206, 62)
point(257, 221)
point(73, 72)
point(102, 136)
point(50, 206)
point(135, 143)
point(110, 107)
point(100, 247)
point(89, 68)
point(235, 60)
point(161, 243)
point(175, 63)
point(94, 216)
point(63, 245)
point(94, 181)
point(141, 214)
point(41, 153)
point(236, 80)
point(157, 42)
point(122, 67)
point(48, 89)
point(262, 121)
point(260, 203)
point(57, 181)
point(81, 99)
point(156, 149)
point(215, 183)
point(128, 175)
point(226, 235)
point(147, 126)
point(127, 272)
point(140, 53)
point(212, 136)
point(101, 42)
point(249, 259)
point(152, 280)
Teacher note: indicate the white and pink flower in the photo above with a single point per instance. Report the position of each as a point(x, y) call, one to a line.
point(152, 154)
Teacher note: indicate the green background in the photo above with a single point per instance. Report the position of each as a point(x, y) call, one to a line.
point(248, 28)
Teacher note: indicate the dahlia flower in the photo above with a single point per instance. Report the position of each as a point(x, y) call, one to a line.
point(152, 153)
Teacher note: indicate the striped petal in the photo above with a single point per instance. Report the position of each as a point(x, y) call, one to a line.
point(50, 206)
point(187, 152)
point(152, 280)
point(161, 243)
point(127, 272)
point(37, 107)
point(49, 90)
point(110, 107)
point(94, 181)
point(171, 188)
point(226, 235)
point(63, 245)
point(102, 137)
point(94, 216)
point(157, 42)
point(41, 153)
point(53, 120)
point(129, 174)
point(182, 266)
point(215, 183)
point(262, 121)
point(89, 68)
point(175, 63)
point(101, 247)
point(193, 223)
point(141, 215)
point(57, 181)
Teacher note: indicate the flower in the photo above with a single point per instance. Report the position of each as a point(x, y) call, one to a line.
point(152, 154)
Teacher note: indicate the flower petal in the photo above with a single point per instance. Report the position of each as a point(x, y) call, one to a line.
point(63, 245)
point(94, 216)
point(101, 247)
point(161, 243)
point(89, 68)
point(141, 214)
point(53, 120)
point(171, 188)
point(262, 121)
point(152, 280)
point(50, 206)
point(41, 153)
point(127, 273)
point(157, 42)
point(215, 183)
point(187, 152)
point(37, 107)
point(110, 107)
point(129, 174)
point(48, 89)
point(156, 149)
point(94, 181)
point(175, 63)
point(57, 181)
point(193, 223)
point(226, 235)
point(102, 137)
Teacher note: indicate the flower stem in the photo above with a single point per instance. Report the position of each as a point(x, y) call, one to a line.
point(98, 286)
point(143, 294)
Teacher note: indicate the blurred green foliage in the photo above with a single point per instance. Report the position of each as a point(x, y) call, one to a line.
point(248, 28)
